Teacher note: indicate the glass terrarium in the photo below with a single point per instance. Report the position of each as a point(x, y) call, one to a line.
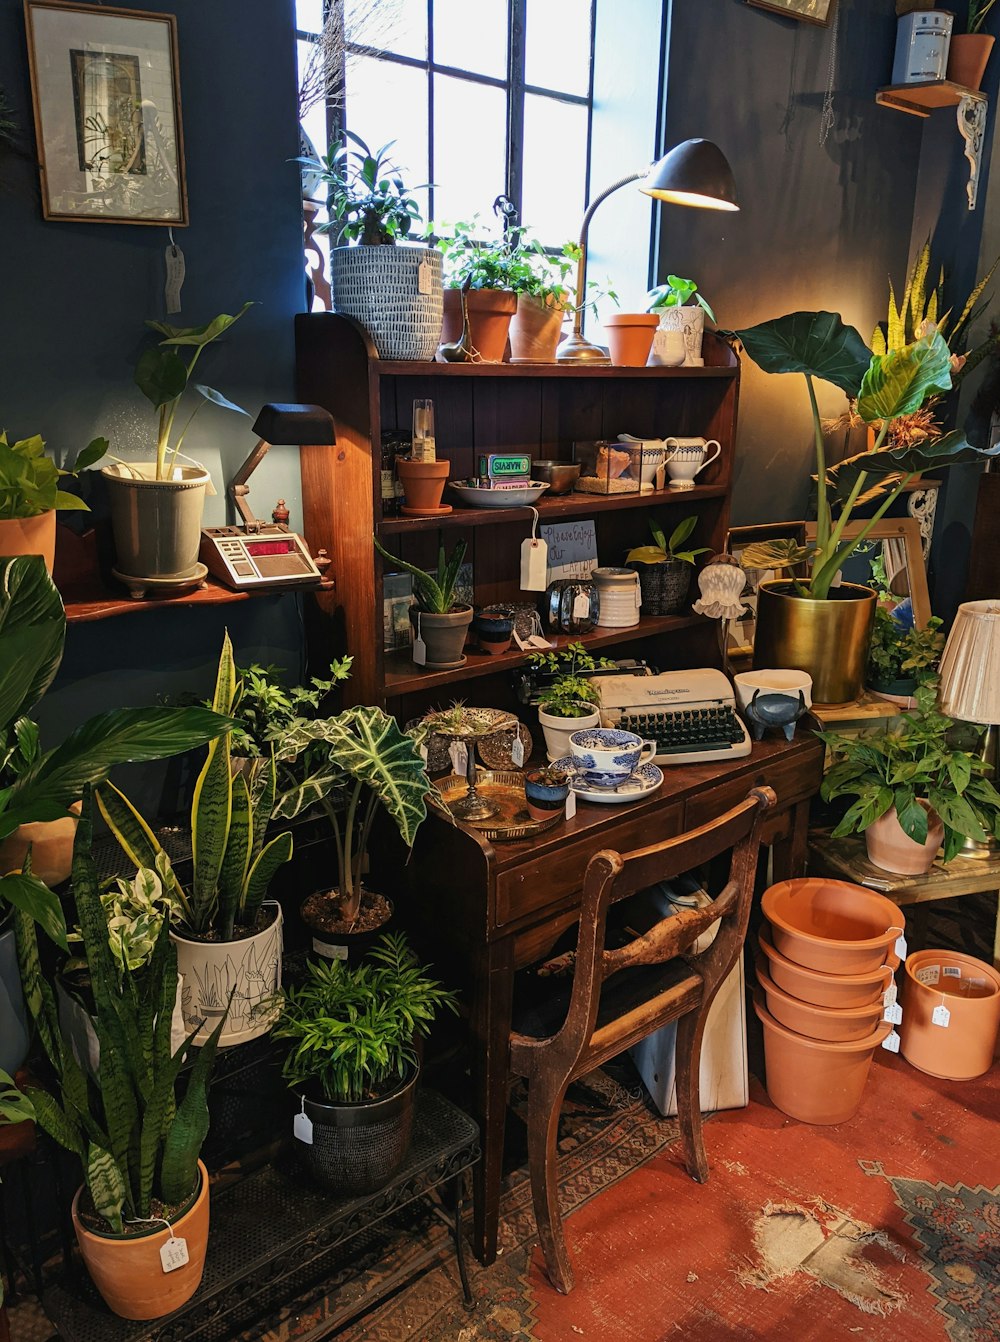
point(605, 468)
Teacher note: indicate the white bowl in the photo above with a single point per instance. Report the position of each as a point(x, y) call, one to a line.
point(475, 497)
point(772, 682)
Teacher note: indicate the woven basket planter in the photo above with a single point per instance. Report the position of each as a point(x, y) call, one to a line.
point(664, 587)
point(380, 288)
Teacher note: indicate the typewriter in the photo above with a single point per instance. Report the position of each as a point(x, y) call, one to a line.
point(691, 715)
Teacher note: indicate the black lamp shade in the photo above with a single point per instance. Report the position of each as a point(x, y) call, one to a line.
point(298, 425)
point(695, 172)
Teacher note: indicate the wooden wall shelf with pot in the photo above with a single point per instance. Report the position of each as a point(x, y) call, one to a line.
point(924, 98)
point(539, 409)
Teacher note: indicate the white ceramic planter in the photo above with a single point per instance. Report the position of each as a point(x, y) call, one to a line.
point(690, 321)
point(211, 969)
point(558, 731)
point(156, 523)
point(395, 293)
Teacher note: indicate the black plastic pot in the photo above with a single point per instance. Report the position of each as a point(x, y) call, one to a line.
point(905, 687)
point(351, 947)
point(358, 1148)
point(664, 587)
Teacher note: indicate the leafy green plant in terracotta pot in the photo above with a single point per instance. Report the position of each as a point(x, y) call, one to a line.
point(138, 1143)
point(157, 507)
point(969, 52)
point(800, 620)
point(491, 270)
point(681, 308)
point(30, 495)
point(914, 792)
point(352, 1061)
point(441, 622)
point(388, 284)
point(571, 700)
point(666, 567)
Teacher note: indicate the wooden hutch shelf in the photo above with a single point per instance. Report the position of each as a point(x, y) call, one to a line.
point(923, 99)
point(84, 606)
point(539, 409)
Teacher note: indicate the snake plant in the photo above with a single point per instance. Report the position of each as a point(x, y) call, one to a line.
point(137, 1143)
point(232, 865)
point(435, 595)
point(37, 785)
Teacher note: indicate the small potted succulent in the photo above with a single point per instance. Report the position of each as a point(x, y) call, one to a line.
point(30, 495)
point(391, 286)
point(679, 307)
point(665, 569)
point(570, 701)
point(914, 792)
point(969, 52)
point(546, 789)
point(441, 622)
point(352, 1062)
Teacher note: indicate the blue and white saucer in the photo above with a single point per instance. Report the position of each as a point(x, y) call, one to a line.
point(646, 779)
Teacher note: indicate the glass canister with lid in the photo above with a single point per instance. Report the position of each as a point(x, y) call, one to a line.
point(619, 597)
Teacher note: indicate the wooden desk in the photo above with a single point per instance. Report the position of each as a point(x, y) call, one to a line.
point(847, 860)
point(483, 911)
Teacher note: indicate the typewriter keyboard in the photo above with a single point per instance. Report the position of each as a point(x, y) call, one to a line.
point(687, 730)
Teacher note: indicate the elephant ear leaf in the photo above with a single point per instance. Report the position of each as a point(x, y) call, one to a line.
point(816, 343)
point(897, 383)
point(951, 450)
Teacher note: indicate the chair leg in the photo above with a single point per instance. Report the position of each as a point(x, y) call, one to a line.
point(544, 1105)
point(690, 1030)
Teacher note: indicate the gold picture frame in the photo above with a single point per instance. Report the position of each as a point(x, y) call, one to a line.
point(809, 11)
point(106, 99)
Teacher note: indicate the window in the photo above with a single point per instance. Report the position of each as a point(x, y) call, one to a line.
point(485, 99)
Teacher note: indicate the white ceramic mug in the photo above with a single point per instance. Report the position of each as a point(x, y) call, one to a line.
point(685, 457)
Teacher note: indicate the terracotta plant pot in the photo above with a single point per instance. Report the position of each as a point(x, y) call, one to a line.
point(832, 926)
point(423, 484)
point(630, 337)
point(816, 1022)
point(444, 635)
point(490, 313)
point(893, 850)
point(970, 990)
point(814, 1080)
point(798, 633)
point(128, 1271)
point(535, 330)
point(968, 56)
point(30, 536)
point(839, 991)
point(51, 843)
point(558, 730)
point(211, 968)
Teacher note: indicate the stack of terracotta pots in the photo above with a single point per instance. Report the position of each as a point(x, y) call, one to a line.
point(827, 957)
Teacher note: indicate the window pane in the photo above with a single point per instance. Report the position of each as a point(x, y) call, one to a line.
point(470, 135)
point(314, 120)
point(471, 37)
point(390, 25)
point(309, 15)
point(557, 45)
point(376, 92)
point(554, 186)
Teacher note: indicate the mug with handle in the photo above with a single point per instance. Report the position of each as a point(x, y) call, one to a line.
point(686, 457)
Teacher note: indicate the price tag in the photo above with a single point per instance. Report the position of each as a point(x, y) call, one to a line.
point(329, 952)
point(419, 649)
point(175, 278)
point(581, 606)
point(929, 975)
point(570, 804)
point(459, 753)
point(891, 1042)
point(951, 971)
point(174, 1253)
point(901, 946)
point(534, 565)
point(517, 752)
point(423, 751)
point(425, 278)
point(893, 1012)
point(302, 1126)
point(890, 994)
point(941, 1016)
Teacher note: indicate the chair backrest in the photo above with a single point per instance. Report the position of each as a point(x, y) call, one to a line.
point(612, 876)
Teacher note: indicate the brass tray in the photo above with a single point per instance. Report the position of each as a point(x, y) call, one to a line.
point(506, 790)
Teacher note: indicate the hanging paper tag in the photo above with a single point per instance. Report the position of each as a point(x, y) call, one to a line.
point(174, 1253)
point(302, 1126)
point(570, 804)
point(941, 1016)
point(638, 595)
point(581, 606)
point(901, 946)
point(419, 649)
point(534, 565)
point(661, 475)
point(423, 751)
point(893, 1012)
point(890, 994)
point(891, 1042)
point(536, 641)
point(175, 278)
point(517, 752)
point(425, 278)
point(459, 753)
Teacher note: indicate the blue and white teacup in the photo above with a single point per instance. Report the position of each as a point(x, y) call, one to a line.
point(606, 757)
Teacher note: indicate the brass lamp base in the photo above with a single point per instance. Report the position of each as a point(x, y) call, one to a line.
point(574, 349)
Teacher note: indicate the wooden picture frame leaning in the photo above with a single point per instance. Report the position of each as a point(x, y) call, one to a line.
point(809, 11)
point(105, 94)
point(901, 541)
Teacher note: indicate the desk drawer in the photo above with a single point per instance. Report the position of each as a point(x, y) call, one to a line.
point(542, 881)
point(790, 780)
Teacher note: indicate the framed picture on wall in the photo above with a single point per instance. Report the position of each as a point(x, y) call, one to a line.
point(107, 108)
point(741, 632)
point(812, 11)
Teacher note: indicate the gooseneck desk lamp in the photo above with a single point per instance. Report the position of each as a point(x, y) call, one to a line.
point(695, 173)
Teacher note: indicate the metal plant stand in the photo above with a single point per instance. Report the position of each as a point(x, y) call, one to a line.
point(273, 1236)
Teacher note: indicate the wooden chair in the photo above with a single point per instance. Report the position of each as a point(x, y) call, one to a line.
point(654, 984)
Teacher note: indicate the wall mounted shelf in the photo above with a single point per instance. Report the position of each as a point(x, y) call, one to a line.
point(923, 99)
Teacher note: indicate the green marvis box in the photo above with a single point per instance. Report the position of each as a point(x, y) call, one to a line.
point(501, 467)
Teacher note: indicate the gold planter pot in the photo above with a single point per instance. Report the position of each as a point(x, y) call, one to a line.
point(828, 639)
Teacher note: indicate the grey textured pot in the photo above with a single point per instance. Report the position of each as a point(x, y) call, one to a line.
point(380, 287)
point(444, 635)
point(156, 523)
point(357, 1148)
point(14, 1034)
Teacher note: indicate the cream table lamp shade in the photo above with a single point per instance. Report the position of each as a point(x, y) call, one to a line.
point(970, 664)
